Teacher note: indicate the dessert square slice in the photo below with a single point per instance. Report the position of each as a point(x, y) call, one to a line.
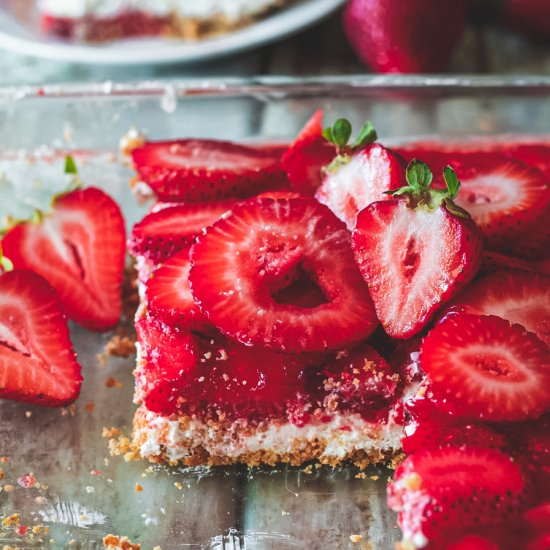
point(255, 325)
point(106, 20)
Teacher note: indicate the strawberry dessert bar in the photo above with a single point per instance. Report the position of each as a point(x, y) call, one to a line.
point(104, 20)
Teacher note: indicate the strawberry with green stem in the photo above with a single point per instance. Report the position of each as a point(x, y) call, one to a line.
point(360, 173)
point(416, 251)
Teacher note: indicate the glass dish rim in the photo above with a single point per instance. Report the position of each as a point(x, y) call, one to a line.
point(262, 85)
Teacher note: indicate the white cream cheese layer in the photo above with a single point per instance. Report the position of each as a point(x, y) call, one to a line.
point(344, 434)
point(196, 9)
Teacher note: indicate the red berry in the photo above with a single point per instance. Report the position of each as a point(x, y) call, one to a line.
point(484, 367)
point(37, 361)
point(247, 266)
point(79, 249)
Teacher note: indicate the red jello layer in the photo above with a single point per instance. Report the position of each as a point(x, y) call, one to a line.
point(181, 372)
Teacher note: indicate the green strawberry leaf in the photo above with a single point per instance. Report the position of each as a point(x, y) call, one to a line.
point(341, 132)
point(452, 181)
point(367, 134)
point(419, 176)
point(70, 165)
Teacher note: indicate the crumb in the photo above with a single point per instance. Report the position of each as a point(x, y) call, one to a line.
point(40, 500)
point(178, 485)
point(8, 488)
point(308, 469)
point(90, 407)
point(110, 432)
point(283, 513)
point(28, 414)
point(90, 489)
point(119, 345)
point(122, 446)
point(27, 481)
point(361, 475)
point(132, 139)
point(95, 473)
point(115, 542)
point(38, 529)
point(375, 477)
point(2, 474)
point(4, 459)
point(138, 488)
point(11, 521)
point(355, 538)
point(112, 382)
point(22, 530)
point(157, 548)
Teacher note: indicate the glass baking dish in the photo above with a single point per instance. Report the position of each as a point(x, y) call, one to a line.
point(83, 493)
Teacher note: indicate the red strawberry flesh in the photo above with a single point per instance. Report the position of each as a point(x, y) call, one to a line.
point(166, 231)
point(413, 261)
point(37, 362)
point(246, 260)
point(522, 298)
point(484, 367)
point(79, 249)
point(203, 170)
point(349, 188)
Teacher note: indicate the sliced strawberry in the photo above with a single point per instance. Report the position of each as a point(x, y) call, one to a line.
point(415, 258)
point(169, 356)
point(430, 428)
point(169, 297)
point(532, 154)
point(307, 155)
point(522, 298)
point(454, 489)
point(79, 249)
point(358, 380)
point(37, 361)
point(509, 200)
point(538, 518)
point(485, 367)
point(352, 185)
point(193, 170)
point(247, 264)
point(169, 229)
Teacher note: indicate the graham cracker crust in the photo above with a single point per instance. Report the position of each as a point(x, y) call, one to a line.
point(191, 452)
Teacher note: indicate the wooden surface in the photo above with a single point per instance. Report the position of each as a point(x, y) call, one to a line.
point(320, 50)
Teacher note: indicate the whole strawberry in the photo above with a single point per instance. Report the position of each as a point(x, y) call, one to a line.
point(405, 36)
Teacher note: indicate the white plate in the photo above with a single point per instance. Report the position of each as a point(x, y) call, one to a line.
point(19, 32)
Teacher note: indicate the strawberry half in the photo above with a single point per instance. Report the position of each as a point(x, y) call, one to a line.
point(360, 173)
point(518, 297)
point(307, 155)
point(165, 231)
point(250, 268)
point(194, 170)
point(452, 490)
point(79, 249)
point(416, 252)
point(37, 361)
point(169, 297)
point(493, 261)
point(484, 367)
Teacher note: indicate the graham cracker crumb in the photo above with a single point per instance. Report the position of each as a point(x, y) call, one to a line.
point(115, 542)
point(90, 407)
point(110, 432)
point(355, 538)
point(11, 521)
point(138, 488)
point(361, 475)
point(8, 488)
point(308, 469)
point(178, 485)
point(112, 382)
point(2, 474)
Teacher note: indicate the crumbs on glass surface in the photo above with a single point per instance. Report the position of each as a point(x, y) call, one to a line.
point(355, 538)
point(116, 542)
point(12, 520)
point(112, 382)
point(131, 140)
point(121, 445)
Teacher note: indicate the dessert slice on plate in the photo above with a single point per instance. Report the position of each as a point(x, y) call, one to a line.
point(105, 20)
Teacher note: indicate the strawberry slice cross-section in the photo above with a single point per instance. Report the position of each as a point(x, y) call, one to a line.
point(194, 170)
point(79, 248)
point(281, 274)
point(484, 367)
point(37, 361)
